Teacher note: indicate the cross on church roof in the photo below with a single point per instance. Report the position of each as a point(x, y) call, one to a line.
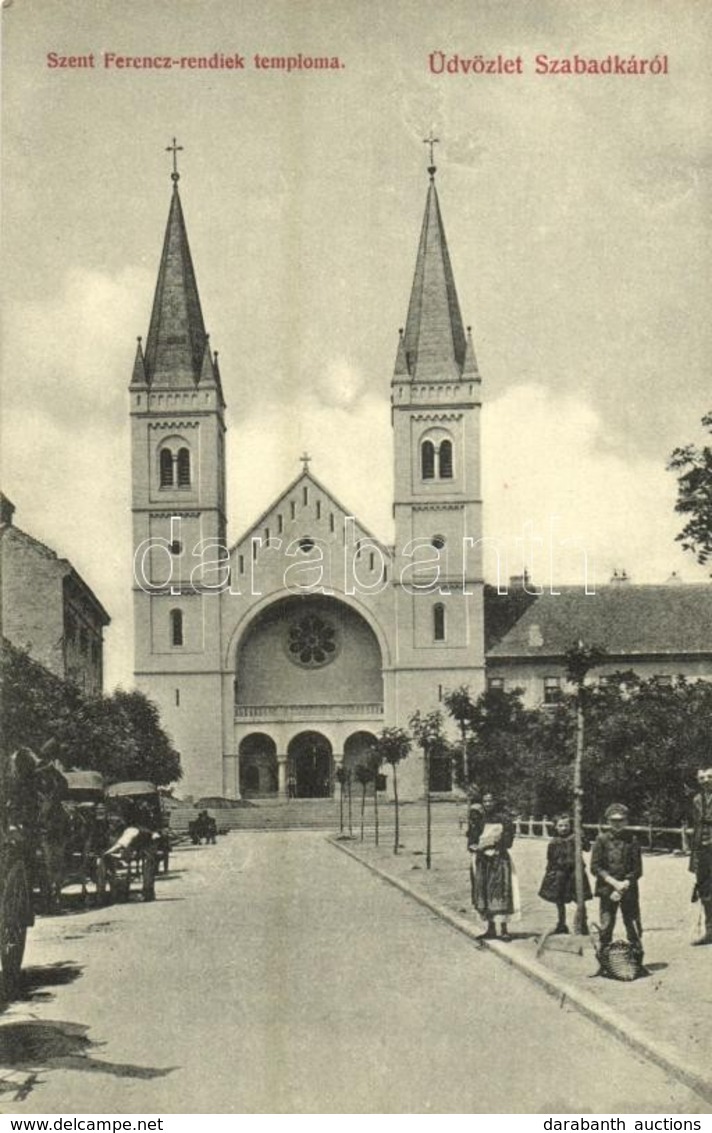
point(174, 149)
point(431, 141)
point(305, 458)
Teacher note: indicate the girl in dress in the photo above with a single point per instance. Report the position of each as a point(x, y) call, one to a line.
point(559, 881)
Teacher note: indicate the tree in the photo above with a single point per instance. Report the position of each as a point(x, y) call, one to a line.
point(393, 746)
point(459, 704)
point(694, 495)
point(375, 762)
point(428, 734)
point(119, 735)
point(364, 775)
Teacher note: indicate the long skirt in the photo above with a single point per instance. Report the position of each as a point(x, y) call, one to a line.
point(493, 886)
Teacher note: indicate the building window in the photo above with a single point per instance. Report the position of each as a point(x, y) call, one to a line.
point(176, 627)
point(241, 561)
point(305, 495)
point(306, 544)
point(166, 459)
point(437, 542)
point(176, 547)
point(266, 534)
point(292, 509)
point(552, 690)
point(427, 460)
point(280, 524)
point(183, 468)
point(331, 521)
point(177, 698)
point(664, 680)
point(318, 509)
point(445, 460)
point(438, 622)
point(495, 684)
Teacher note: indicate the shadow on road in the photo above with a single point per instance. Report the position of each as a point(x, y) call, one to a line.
point(34, 1046)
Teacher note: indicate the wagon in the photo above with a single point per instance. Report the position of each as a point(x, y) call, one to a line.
point(18, 813)
point(135, 815)
point(88, 836)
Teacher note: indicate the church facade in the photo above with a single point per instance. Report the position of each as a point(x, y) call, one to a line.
point(277, 658)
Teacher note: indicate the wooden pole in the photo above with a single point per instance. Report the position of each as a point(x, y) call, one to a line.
point(428, 839)
point(578, 836)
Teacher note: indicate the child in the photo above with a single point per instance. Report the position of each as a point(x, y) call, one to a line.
point(559, 881)
point(616, 864)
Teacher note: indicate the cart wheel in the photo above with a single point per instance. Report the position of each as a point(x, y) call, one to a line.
point(13, 926)
point(148, 874)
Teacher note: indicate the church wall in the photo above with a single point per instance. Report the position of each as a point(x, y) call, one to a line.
point(266, 675)
point(190, 713)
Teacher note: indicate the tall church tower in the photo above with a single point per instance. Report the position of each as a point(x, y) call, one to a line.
point(436, 402)
point(178, 504)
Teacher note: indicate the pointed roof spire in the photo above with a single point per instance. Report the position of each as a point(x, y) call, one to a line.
point(176, 337)
point(139, 371)
point(434, 339)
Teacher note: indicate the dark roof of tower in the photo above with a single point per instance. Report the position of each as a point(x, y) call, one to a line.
point(176, 341)
point(434, 341)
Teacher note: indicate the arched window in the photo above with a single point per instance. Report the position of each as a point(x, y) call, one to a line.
point(183, 468)
point(445, 460)
point(427, 460)
point(176, 627)
point(438, 622)
point(166, 468)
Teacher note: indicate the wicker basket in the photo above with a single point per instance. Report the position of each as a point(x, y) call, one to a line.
point(621, 960)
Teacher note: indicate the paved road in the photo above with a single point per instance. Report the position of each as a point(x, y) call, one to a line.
point(274, 974)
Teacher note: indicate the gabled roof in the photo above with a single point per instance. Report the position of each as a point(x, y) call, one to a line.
point(175, 347)
point(434, 343)
point(626, 620)
point(307, 477)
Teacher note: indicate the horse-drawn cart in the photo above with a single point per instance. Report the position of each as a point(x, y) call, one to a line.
point(18, 814)
point(135, 810)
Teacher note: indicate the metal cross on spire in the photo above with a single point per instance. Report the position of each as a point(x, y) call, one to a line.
point(174, 149)
point(431, 141)
point(305, 458)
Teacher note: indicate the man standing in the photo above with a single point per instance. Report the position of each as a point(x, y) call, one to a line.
point(701, 856)
point(616, 863)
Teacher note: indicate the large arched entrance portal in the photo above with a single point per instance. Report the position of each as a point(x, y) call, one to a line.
point(310, 765)
point(258, 765)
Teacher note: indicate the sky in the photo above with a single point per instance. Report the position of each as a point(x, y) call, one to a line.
point(576, 210)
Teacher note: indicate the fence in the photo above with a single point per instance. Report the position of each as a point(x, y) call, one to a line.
point(652, 837)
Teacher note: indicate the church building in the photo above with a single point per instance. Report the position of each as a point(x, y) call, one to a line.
point(277, 658)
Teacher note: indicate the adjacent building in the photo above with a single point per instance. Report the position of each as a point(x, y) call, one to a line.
point(48, 609)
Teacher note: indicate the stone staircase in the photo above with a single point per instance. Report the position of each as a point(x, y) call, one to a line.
point(314, 814)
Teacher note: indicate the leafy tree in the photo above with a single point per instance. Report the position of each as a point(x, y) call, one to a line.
point(393, 746)
point(119, 735)
point(364, 775)
point(694, 495)
point(460, 706)
point(429, 736)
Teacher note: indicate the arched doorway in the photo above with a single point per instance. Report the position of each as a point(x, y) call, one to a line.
point(258, 765)
point(310, 763)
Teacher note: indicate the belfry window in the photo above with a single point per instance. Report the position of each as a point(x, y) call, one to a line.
point(427, 460)
point(438, 622)
point(445, 460)
point(183, 468)
point(176, 627)
point(166, 468)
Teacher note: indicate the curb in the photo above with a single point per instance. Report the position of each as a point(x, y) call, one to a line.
point(661, 1053)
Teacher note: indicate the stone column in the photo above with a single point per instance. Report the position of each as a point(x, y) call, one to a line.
point(282, 776)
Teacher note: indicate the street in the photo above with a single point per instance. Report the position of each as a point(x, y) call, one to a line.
point(274, 974)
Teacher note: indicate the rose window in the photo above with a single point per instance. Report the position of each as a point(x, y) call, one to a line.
point(312, 642)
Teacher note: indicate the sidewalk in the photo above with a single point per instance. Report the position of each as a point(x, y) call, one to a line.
point(667, 1015)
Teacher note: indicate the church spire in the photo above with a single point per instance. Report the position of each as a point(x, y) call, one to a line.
point(175, 347)
point(434, 341)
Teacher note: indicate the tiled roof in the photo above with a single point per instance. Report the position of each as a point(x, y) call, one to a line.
point(626, 620)
point(434, 342)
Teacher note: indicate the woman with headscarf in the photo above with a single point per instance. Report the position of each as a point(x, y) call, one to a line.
point(494, 888)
